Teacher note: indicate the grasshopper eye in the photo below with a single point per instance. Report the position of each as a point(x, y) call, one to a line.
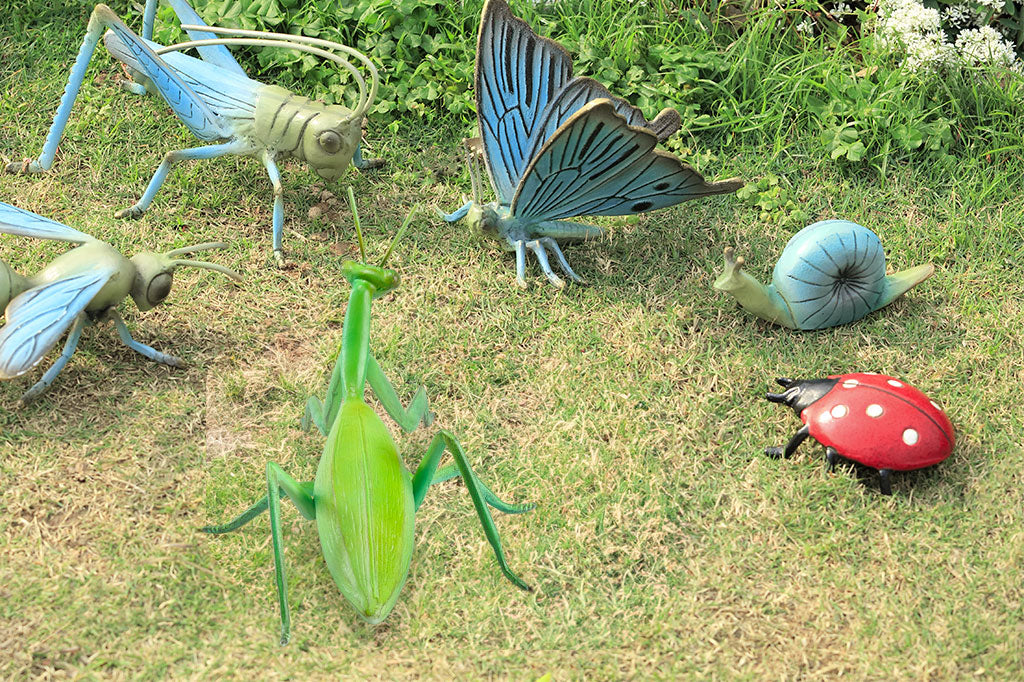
point(330, 141)
point(158, 288)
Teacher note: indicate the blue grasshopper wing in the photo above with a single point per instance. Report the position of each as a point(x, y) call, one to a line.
point(17, 221)
point(597, 164)
point(184, 102)
point(230, 96)
point(37, 318)
point(580, 91)
point(219, 55)
point(517, 74)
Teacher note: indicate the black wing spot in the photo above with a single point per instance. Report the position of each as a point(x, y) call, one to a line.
point(641, 206)
point(662, 186)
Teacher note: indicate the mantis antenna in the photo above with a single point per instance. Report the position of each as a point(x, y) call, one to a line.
point(398, 235)
point(293, 42)
point(355, 216)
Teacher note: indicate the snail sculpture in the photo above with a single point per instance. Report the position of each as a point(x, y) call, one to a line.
point(830, 273)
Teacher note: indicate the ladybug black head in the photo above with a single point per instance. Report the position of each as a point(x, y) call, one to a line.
point(801, 393)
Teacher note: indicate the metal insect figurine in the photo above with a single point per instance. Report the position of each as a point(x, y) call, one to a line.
point(830, 273)
point(76, 289)
point(556, 147)
point(363, 498)
point(869, 418)
point(214, 98)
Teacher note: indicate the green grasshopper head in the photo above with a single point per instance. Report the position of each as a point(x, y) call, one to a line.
point(154, 273)
point(330, 141)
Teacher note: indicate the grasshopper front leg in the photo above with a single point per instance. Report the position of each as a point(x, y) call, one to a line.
point(424, 477)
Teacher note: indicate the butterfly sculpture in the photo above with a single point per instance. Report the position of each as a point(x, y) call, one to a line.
point(78, 288)
point(556, 147)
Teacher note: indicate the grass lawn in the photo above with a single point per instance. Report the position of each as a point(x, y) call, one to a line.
point(630, 411)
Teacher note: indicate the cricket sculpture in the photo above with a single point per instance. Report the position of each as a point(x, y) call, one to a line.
point(363, 498)
point(556, 147)
point(78, 288)
point(218, 103)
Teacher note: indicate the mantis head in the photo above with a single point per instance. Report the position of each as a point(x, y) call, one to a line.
point(382, 279)
point(154, 272)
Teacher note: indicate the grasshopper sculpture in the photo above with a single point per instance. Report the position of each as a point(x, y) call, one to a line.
point(214, 98)
point(78, 288)
point(363, 498)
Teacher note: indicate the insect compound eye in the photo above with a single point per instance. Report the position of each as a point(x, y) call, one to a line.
point(330, 141)
point(158, 289)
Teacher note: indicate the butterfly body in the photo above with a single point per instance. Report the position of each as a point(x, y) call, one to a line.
point(557, 146)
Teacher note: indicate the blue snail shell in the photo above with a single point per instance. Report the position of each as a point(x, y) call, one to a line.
point(831, 273)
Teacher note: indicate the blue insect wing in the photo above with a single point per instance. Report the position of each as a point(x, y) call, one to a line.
point(22, 223)
point(219, 55)
point(37, 318)
point(831, 272)
point(184, 102)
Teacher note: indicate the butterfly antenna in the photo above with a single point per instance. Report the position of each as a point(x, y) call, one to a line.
point(401, 231)
point(359, 231)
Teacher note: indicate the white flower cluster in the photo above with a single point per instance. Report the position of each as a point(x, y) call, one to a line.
point(841, 10)
point(908, 26)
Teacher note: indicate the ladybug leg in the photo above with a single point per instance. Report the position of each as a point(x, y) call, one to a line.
point(885, 481)
point(792, 445)
point(831, 456)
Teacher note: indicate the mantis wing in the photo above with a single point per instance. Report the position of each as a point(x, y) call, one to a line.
point(186, 104)
point(37, 318)
point(17, 221)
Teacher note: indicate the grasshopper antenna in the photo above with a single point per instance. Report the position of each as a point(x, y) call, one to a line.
point(208, 246)
point(401, 231)
point(359, 231)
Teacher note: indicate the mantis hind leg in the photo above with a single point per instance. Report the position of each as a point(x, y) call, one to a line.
point(69, 349)
point(452, 471)
point(171, 158)
point(301, 494)
point(424, 476)
point(409, 419)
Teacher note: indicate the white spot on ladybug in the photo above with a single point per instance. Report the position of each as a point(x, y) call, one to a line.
point(893, 382)
point(839, 411)
point(935, 404)
point(874, 410)
point(873, 374)
point(850, 383)
point(910, 437)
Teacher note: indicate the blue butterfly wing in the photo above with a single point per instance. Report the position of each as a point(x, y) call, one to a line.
point(183, 101)
point(17, 221)
point(214, 54)
point(582, 90)
point(597, 164)
point(37, 318)
point(517, 75)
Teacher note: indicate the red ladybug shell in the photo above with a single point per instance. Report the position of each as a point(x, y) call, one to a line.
point(881, 422)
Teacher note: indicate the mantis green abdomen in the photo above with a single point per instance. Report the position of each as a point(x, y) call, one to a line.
point(364, 511)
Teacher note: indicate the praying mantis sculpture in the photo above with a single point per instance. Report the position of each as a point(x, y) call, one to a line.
point(214, 98)
point(363, 498)
point(78, 288)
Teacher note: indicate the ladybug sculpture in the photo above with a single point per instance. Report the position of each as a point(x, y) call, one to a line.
point(869, 418)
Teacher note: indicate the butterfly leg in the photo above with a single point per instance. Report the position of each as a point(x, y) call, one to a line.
point(69, 349)
point(152, 354)
point(457, 215)
point(520, 263)
point(553, 245)
point(542, 258)
point(171, 158)
point(275, 179)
